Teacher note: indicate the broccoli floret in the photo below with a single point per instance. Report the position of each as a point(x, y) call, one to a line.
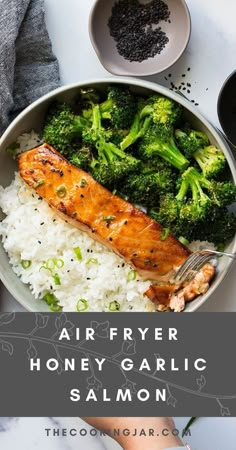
point(159, 141)
point(205, 195)
point(87, 99)
point(81, 158)
point(162, 110)
point(168, 211)
point(196, 206)
point(109, 170)
point(146, 187)
point(158, 109)
point(211, 160)
point(189, 141)
point(96, 132)
point(120, 107)
point(219, 228)
point(62, 128)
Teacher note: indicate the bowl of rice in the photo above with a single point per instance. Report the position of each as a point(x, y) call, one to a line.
point(36, 242)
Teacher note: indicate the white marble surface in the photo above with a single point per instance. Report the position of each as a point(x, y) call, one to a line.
point(211, 56)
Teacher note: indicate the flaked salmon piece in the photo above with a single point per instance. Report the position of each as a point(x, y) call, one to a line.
point(114, 222)
point(175, 296)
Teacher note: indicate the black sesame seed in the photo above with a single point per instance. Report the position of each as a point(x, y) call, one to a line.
point(123, 265)
point(81, 195)
point(42, 223)
point(189, 84)
point(196, 104)
point(68, 271)
point(184, 88)
point(189, 69)
point(131, 26)
point(39, 242)
point(183, 75)
point(110, 239)
point(72, 260)
point(88, 278)
point(170, 75)
point(54, 220)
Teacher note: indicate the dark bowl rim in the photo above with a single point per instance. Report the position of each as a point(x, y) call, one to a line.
point(219, 103)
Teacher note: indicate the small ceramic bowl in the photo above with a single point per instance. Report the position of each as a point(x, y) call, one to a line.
point(178, 31)
point(227, 108)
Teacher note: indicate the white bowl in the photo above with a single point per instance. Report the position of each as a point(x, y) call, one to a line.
point(32, 118)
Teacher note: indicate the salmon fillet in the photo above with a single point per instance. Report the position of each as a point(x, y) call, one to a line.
point(107, 218)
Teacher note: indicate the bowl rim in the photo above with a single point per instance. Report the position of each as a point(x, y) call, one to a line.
point(219, 104)
point(147, 73)
point(192, 306)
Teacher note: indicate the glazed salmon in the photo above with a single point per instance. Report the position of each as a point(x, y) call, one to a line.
point(105, 217)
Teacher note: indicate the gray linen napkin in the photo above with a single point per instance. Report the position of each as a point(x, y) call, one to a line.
point(28, 68)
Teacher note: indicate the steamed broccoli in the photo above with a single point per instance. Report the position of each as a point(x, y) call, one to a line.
point(196, 207)
point(162, 110)
point(63, 128)
point(81, 158)
point(156, 109)
point(189, 141)
point(211, 160)
point(159, 141)
point(219, 227)
point(120, 107)
point(145, 187)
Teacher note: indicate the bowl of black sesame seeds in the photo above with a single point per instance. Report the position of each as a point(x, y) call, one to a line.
point(139, 37)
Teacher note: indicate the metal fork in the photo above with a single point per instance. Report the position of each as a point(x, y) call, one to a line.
point(195, 261)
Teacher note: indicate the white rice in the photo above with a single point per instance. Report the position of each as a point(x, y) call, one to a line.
point(31, 231)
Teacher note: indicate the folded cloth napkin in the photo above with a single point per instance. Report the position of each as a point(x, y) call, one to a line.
point(28, 68)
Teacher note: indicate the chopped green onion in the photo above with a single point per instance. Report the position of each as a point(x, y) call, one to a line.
point(78, 253)
point(165, 233)
point(52, 302)
point(56, 308)
point(59, 263)
point(114, 306)
point(83, 183)
point(25, 263)
point(131, 275)
point(50, 299)
point(50, 264)
point(57, 279)
point(183, 241)
point(147, 262)
point(92, 261)
point(108, 219)
point(82, 305)
point(38, 183)
point(61, 191)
